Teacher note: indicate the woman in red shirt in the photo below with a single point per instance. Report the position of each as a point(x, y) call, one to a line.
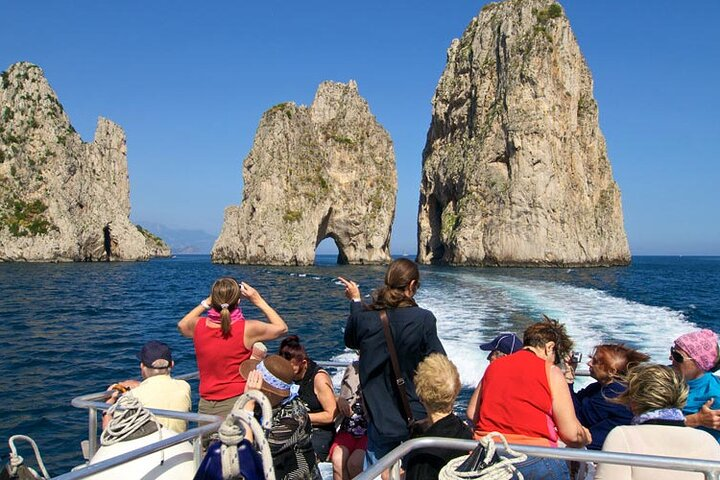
point(525, 397)
point(224, 339)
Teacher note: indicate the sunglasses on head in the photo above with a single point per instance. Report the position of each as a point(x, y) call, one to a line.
point(677, 356)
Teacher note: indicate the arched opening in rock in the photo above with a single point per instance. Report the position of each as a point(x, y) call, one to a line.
point(324, 237)
point(325, 250)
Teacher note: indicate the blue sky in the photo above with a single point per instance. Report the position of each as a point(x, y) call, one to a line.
point(188, 81)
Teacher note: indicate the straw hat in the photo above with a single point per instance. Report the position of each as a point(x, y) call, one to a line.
point(278, 371)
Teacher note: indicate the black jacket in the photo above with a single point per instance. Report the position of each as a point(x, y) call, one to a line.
point(426, 463)
point(415, 336)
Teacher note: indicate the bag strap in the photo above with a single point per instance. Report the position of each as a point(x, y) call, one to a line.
point(399, 380)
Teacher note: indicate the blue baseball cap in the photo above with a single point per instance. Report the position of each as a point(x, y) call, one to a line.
point(506, 343)
point(155, 354)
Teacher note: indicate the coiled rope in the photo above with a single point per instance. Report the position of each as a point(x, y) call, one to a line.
point(500, 470)
point(16, 460)
point(131, 417)
point(232, 432)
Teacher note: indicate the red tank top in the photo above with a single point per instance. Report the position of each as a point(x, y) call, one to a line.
point(219, 360)
point(516, 400)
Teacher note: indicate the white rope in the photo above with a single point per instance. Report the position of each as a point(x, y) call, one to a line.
point(502, 470)
point(232, 432)
point(127, 416)
point(16, 460)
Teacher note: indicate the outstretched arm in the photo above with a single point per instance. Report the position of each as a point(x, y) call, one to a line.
point(569, 428)
point(188, 322)
point(705, 417)
point(258, 331)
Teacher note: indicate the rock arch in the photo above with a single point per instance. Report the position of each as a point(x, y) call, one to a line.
point(315, 172)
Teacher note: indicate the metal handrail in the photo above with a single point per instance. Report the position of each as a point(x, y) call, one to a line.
point(194, 433)
point(95, 402)
point(711, 469)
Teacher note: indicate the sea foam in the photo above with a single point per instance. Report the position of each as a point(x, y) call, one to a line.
point(472, 308)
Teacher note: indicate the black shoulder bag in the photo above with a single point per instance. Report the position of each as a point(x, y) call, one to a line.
point(415, 426)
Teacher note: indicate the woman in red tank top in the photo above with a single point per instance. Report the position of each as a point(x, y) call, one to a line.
point(224, 339)
point(525, 397)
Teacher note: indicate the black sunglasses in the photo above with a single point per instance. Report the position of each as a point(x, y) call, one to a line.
point(677, 356)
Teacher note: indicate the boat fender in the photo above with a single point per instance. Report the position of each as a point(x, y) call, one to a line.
point(251, 467)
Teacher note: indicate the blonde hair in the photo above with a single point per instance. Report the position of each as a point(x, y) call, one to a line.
point(437, 383)
point(652, 386)
point(224, 298)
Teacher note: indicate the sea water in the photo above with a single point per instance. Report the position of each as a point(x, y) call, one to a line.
point(72, 329)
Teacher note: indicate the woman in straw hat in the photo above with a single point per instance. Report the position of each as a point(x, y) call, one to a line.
point(289, 437)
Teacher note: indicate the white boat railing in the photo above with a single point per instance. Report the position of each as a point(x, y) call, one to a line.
point(711, 469)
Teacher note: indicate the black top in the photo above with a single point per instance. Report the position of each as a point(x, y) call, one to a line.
point(307, 392)
point(289, 440)
point(426, 463)
point(414, 333)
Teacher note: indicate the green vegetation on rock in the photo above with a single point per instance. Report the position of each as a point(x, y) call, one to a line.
point(343, 140)
point(282, 107)
point(553, 11)
point(450, 221)
point(292, 216)
point(25, 219)
point(147, 234)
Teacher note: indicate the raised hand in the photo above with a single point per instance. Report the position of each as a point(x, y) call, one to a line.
point(250, 293)
point(352, 291)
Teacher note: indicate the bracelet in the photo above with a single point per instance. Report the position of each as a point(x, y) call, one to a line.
point(205, 305)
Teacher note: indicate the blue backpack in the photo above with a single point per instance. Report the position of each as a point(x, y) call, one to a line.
point(251, 467)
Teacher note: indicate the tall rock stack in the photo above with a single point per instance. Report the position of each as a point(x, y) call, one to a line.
point(61, 199)
point(515, 168)
point(315, 172)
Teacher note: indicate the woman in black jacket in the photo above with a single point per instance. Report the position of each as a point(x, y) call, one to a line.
point(414, 334)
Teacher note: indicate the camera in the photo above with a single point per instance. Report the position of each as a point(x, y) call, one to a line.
point(575, 357)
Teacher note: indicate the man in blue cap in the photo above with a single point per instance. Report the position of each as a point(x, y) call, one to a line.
point(503, 344)
point(158, 389)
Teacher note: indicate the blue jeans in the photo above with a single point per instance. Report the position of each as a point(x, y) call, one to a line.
point(536, 468)
point(377, 447)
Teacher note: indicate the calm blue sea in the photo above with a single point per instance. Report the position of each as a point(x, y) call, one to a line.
point(71, 329)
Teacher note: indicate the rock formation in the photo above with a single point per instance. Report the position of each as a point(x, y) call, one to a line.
point(61, 199)
point(515, 168)
point(327, 170)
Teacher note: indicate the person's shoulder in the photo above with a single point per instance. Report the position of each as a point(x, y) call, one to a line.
point(461, 429)
point(712, 379)
point(417, 313)
point(179, 383)
point(616, 440)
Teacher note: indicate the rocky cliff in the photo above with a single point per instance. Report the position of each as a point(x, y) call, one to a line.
point(61, 199)
point(515, 168)
point(315, 172)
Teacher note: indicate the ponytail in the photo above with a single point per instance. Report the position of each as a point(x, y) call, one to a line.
point(224, 298)
point(225, 320)
point(399, 276)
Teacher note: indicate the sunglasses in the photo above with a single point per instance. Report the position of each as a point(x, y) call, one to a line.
point(677, 356)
